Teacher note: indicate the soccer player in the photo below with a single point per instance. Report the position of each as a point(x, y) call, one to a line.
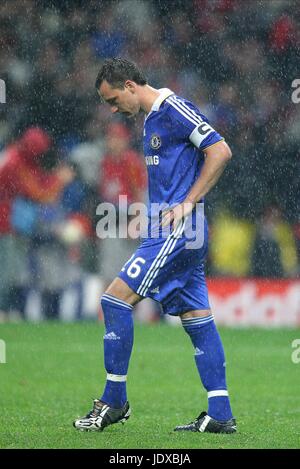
point(185, 157)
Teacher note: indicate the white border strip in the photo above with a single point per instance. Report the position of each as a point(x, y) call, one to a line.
point(163, 251)
point(183, 113)
point(116, 301)
point(221, 392)
point(196, 320)
point(185, 108)
point(116, 378)
point(163, 259)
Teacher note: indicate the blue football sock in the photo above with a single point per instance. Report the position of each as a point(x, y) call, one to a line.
point(210, 361)
point(118, 342)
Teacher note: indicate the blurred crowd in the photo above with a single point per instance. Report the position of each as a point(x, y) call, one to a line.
point(62, 153)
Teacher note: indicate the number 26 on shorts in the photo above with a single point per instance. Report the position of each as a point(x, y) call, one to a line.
point(134, 268)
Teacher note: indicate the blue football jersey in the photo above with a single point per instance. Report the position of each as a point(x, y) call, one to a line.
point(168, 265)
point(175, 135)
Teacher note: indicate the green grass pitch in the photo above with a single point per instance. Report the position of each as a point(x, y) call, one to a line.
point(53, 370)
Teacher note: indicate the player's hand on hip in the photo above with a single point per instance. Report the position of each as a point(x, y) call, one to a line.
point(176, 214)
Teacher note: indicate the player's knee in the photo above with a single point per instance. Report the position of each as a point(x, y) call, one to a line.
point(122, 292)
point(110, 300)
point(196, 325)
point(199, 313)
point(111, 303)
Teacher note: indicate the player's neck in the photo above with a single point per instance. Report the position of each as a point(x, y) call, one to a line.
point(147, 97)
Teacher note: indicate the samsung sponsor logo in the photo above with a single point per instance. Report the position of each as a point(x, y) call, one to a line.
point(152, 160)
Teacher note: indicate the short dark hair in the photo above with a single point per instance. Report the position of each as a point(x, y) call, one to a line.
point(116, 71)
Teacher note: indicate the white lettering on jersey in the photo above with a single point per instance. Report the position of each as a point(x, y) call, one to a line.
point(152, 160)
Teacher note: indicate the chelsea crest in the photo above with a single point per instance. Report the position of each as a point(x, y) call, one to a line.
point(155, 141)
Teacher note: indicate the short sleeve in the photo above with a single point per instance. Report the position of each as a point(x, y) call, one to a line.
point(196, 126)
point(204, 135)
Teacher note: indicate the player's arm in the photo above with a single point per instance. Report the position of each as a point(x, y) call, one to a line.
point(195, 128)
point(216, 158)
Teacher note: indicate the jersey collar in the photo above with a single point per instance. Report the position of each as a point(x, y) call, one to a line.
point(164, 94)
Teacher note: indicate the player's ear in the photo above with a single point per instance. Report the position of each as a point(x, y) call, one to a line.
point(130, 85)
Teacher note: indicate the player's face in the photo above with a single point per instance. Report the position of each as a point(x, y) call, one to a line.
point(123, 100)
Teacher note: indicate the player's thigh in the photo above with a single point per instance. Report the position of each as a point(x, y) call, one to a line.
point(191, 299)
point(122, 291)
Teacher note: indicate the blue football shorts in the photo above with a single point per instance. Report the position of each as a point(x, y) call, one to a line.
point(165, 270)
